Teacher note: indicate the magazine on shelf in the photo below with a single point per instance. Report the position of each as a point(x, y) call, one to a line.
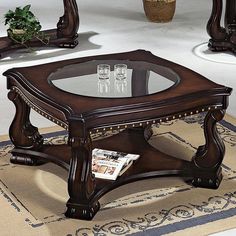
point(111, 164)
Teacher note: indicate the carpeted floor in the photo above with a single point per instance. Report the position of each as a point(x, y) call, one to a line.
point(33, 199)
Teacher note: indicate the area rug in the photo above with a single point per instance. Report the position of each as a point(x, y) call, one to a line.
point(33, 199)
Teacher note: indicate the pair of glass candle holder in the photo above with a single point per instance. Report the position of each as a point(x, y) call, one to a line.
point(104, 71)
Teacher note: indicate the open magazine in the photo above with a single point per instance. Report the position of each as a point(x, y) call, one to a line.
point(110, 164)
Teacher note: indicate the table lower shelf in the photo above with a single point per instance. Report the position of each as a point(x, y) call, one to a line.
point(6, 44)
point(152, 163)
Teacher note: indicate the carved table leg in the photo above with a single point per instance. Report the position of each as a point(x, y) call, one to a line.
point(208, 159)
point(230, 16)
point(230, 23)
point(22, 133)
point(81, 182)
point(214, 29)
point(68, 25)
point(222, 38)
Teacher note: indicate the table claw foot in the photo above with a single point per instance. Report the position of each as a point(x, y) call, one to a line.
point(83, 212)
point(208, 179)
point(216, 47)
point(70, 43)
point(26, 160)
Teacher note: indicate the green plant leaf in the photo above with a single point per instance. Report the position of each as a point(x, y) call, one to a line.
point(23, 18)
point(26, 8)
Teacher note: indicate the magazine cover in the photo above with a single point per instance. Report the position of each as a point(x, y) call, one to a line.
point(110, 164)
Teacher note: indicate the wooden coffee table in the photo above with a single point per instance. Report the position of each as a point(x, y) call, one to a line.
point(155, 90)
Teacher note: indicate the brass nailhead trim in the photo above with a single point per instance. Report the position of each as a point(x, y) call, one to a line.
point(65, 126)
point(38, 110)
point(156, 121)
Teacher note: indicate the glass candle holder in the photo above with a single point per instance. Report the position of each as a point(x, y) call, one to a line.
point(120, 71)
point(103, 71)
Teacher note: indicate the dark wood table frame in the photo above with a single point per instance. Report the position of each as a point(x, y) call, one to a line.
point(65, 35)
point(222, 38)
point(82, 116)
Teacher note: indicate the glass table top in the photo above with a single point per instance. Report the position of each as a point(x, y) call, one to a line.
point(117, 79)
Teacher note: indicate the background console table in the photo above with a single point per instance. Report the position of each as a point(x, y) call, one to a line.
point(222, 38)
point(65, 35)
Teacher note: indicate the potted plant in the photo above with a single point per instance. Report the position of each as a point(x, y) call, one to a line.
point(23, 26)
point(159, 10)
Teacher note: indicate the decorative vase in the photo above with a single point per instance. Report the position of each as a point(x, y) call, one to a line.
point(159, 10)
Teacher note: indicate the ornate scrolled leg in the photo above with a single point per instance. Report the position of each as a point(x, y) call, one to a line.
point(216, 32)
point(208, 159)
point(230, 22)
point(68, 25)
point(230, 16)
point(22, 133)
point(81, 182)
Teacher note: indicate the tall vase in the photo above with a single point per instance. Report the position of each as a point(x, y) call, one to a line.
point(159, 10)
